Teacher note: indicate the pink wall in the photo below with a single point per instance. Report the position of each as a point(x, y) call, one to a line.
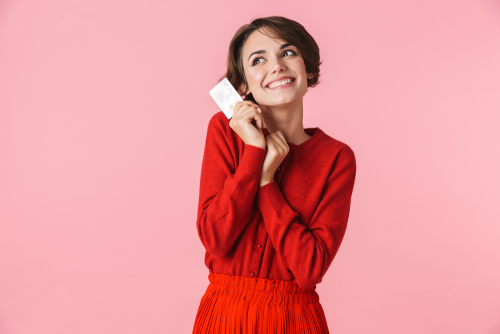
point(104, 107)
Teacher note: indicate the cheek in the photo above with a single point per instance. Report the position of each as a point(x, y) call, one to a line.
point(255, 77)
point(299, 66)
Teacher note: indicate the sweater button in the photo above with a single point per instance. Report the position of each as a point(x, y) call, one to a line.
point(252, 274)
point(260, 246)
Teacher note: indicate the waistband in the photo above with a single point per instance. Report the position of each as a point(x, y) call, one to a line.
point(261, 290)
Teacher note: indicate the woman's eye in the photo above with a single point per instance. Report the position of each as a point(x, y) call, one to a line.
point(253, 63)
point(256, 60)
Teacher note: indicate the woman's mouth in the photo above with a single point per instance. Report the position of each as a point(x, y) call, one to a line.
point(285, 83)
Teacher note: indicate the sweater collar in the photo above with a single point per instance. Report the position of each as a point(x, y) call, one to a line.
point(315, 134)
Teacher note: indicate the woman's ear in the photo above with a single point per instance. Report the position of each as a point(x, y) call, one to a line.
point(310, 75)
point(241, 89)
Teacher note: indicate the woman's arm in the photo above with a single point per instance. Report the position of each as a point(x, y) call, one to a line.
point(226, 196)
point(309, 251)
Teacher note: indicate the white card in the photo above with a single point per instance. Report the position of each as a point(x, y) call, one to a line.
point(226, 97)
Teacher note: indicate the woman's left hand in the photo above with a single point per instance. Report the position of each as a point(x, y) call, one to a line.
point(277, 149)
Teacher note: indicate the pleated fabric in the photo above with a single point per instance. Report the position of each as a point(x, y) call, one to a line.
point(244, 305)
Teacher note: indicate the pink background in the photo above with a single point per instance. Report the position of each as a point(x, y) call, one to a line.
point(104, 108)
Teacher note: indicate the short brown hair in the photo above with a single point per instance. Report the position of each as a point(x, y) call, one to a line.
point(282, 28)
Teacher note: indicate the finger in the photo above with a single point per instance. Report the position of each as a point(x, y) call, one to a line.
point(239, 106)
point(236, 108)
point(262, 123)
point(277, 143)
point(270, 143)
point(252, 114)
point(255, 116)
point(262, 132)
point(260, 119)
point(282, 140)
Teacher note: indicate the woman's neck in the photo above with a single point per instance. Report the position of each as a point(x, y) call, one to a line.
point(288, 121)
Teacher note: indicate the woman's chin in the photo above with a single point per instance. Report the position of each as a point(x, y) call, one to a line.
point(276, 101)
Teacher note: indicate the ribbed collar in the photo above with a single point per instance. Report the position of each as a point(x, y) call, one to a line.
point(315, 134)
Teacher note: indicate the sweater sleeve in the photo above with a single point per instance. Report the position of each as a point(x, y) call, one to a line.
point(308, 251)
point(226, 195)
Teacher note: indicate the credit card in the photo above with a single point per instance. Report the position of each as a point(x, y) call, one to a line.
point(225, 96)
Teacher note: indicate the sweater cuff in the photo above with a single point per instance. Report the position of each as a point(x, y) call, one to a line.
point(271, 201)
point(252, 160)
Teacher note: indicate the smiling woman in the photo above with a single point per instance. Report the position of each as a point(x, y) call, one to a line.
point(274, 201)
point(298, 43)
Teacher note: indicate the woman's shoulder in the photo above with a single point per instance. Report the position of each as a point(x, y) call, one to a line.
point(336, 147)
point(219, 119)
point(218, 124)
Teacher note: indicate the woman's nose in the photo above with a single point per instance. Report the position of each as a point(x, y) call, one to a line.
point(278, 65)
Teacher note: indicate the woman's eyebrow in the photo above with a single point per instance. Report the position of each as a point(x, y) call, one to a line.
point(264, 51)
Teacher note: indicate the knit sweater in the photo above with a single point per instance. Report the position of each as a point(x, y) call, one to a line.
point(289, 229)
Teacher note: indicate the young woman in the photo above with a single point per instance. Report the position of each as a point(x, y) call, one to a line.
point(274, 197)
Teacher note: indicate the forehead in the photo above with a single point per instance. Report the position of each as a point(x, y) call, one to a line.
point(257, 40)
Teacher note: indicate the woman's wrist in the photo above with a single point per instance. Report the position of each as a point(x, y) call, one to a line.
point(264, 182)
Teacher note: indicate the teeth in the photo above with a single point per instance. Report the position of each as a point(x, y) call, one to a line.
point(279, 83)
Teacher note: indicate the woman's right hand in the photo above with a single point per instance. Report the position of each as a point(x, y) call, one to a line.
point(244, 113)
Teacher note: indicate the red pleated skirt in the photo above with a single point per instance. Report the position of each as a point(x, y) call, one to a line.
point(244, 305)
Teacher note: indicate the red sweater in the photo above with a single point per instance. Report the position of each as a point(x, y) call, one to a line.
point(289, 229)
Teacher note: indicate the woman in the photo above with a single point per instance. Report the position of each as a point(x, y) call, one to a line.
point(274, 197)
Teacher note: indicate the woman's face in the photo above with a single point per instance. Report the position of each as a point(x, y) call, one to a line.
point(265, 60)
